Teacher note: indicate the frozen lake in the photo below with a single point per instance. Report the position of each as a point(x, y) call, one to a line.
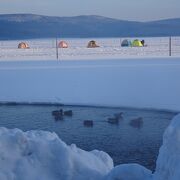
point(124, 142)
point(45, 49)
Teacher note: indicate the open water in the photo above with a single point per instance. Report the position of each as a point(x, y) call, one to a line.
point(123, 142)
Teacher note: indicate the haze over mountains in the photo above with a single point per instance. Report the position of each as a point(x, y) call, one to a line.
point(20, 26)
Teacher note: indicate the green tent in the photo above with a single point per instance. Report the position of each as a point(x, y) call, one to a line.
point(137, 43)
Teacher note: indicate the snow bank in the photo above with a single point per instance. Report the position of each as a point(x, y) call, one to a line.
point(36, 155)
point(168, 162)
point(42, 155)
point(129, 172)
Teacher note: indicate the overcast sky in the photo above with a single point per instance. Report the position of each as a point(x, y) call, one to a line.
point(138, 10)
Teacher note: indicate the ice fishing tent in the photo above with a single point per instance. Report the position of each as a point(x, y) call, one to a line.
point(63, 44)
point(92, 44)
point(23, 45)
point(126, 43)
point(137, 43)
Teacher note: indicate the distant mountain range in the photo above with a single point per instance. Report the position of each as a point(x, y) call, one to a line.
point(22, 26)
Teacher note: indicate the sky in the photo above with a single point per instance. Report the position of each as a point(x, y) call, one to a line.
point(136, 10)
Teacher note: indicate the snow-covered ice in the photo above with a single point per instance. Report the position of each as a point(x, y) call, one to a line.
point(108, 76)
point(133, 82)
point(110, 48)
point(37, 155)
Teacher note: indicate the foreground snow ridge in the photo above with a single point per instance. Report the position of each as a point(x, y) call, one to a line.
point(36, 155)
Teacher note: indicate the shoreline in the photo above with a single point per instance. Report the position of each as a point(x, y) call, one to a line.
point(83, 105)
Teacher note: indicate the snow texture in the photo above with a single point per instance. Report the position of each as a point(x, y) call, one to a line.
point(110, 75)
point(37, 155)
point(108, 78)
point(168, 162)
point(129, 172)
point(140, 83)
point(110, 48)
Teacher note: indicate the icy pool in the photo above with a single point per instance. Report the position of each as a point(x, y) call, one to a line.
point(124, 142)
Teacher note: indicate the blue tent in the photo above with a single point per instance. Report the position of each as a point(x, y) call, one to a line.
point(126, 43)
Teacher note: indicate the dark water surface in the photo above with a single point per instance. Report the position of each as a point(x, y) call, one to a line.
point(123, 142)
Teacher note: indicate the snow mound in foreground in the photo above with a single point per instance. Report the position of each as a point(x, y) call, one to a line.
point(129, 172)
point(35, 155)
point(168, 162)
point(42, 155)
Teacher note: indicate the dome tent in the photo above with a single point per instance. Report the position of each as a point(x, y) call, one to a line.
point(126, 43)
point(23, 45)
point(92, 44)
point(137, 43)
point(63, 44)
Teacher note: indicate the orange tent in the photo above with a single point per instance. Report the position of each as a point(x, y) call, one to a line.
point(92, 44)
point(63, 44)
point(23, 45)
